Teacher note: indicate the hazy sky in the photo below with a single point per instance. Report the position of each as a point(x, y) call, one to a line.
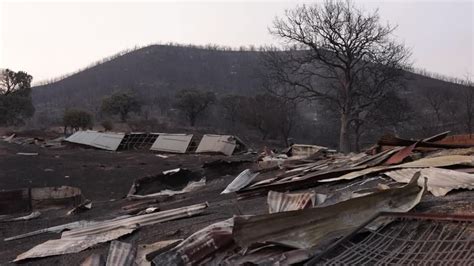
point(48, 39)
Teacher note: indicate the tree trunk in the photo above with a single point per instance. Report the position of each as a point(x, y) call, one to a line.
point(123, 117)
point(357, 139)
point(344, 134)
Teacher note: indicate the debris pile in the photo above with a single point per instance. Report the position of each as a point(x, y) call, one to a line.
point(322, 207)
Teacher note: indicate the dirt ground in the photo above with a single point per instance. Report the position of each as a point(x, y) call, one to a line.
point(105, 178)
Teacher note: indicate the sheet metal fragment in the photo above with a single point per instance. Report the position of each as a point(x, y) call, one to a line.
point(308, 227)
point(241, 181)
point(79, 239)
point(121, 254)
point(441, 161)
point(282, 202)
point(440, 181)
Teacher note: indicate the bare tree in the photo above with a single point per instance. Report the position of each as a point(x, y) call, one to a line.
point(435, 100)
point(337, 50)
point(469, 104)
point(232, 106)
point(193, 103)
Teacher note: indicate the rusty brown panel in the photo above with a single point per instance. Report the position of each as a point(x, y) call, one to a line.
point(399, 156)
point(467, 139)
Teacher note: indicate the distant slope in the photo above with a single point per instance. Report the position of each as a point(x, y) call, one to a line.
point(155, 70)
point(162, 69)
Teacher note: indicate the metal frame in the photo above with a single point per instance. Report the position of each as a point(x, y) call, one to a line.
point(415, 238)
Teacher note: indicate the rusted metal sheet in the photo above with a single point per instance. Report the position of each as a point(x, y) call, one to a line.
point(439, 181)
point(391, 140)
point(465, 139)
point(121, 254)
point(200, 247)
point(81, 238)
point(401, 155)
point(175, 143)
point(283, 202)
point(309, 227)
point(410, 239)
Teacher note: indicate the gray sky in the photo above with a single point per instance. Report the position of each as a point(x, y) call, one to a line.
point(49, 39)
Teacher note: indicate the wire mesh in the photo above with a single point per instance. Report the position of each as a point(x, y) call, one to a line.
point(406, 240)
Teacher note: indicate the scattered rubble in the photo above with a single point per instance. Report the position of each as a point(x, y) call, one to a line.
point(93, 233)
point(322, 207)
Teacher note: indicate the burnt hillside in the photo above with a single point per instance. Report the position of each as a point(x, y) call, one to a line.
point(156, 72)
point(153, 71)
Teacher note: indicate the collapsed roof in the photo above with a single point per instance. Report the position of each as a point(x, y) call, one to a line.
point(163, 142)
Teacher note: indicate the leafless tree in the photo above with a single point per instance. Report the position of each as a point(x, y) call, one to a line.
point(436, 101)
point(193, 103)
point(469, 104)
point(337, 50)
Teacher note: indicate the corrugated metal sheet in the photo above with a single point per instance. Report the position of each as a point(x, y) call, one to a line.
point(121, 254)
point(67, 245)
point(242, 180)
point(440, 161)
point(176, 143)
point(79, 239)
point(440, 181)
point(310, 227)
point(224, 144)
point(283, 202)
point(107, 141)
point(200, 247)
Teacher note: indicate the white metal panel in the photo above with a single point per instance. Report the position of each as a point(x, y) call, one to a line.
point(217, 143)
point(83, 137)
point(108, 141)
point(176, 143)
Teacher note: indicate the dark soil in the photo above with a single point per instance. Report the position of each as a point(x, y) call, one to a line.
point(105, 178)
